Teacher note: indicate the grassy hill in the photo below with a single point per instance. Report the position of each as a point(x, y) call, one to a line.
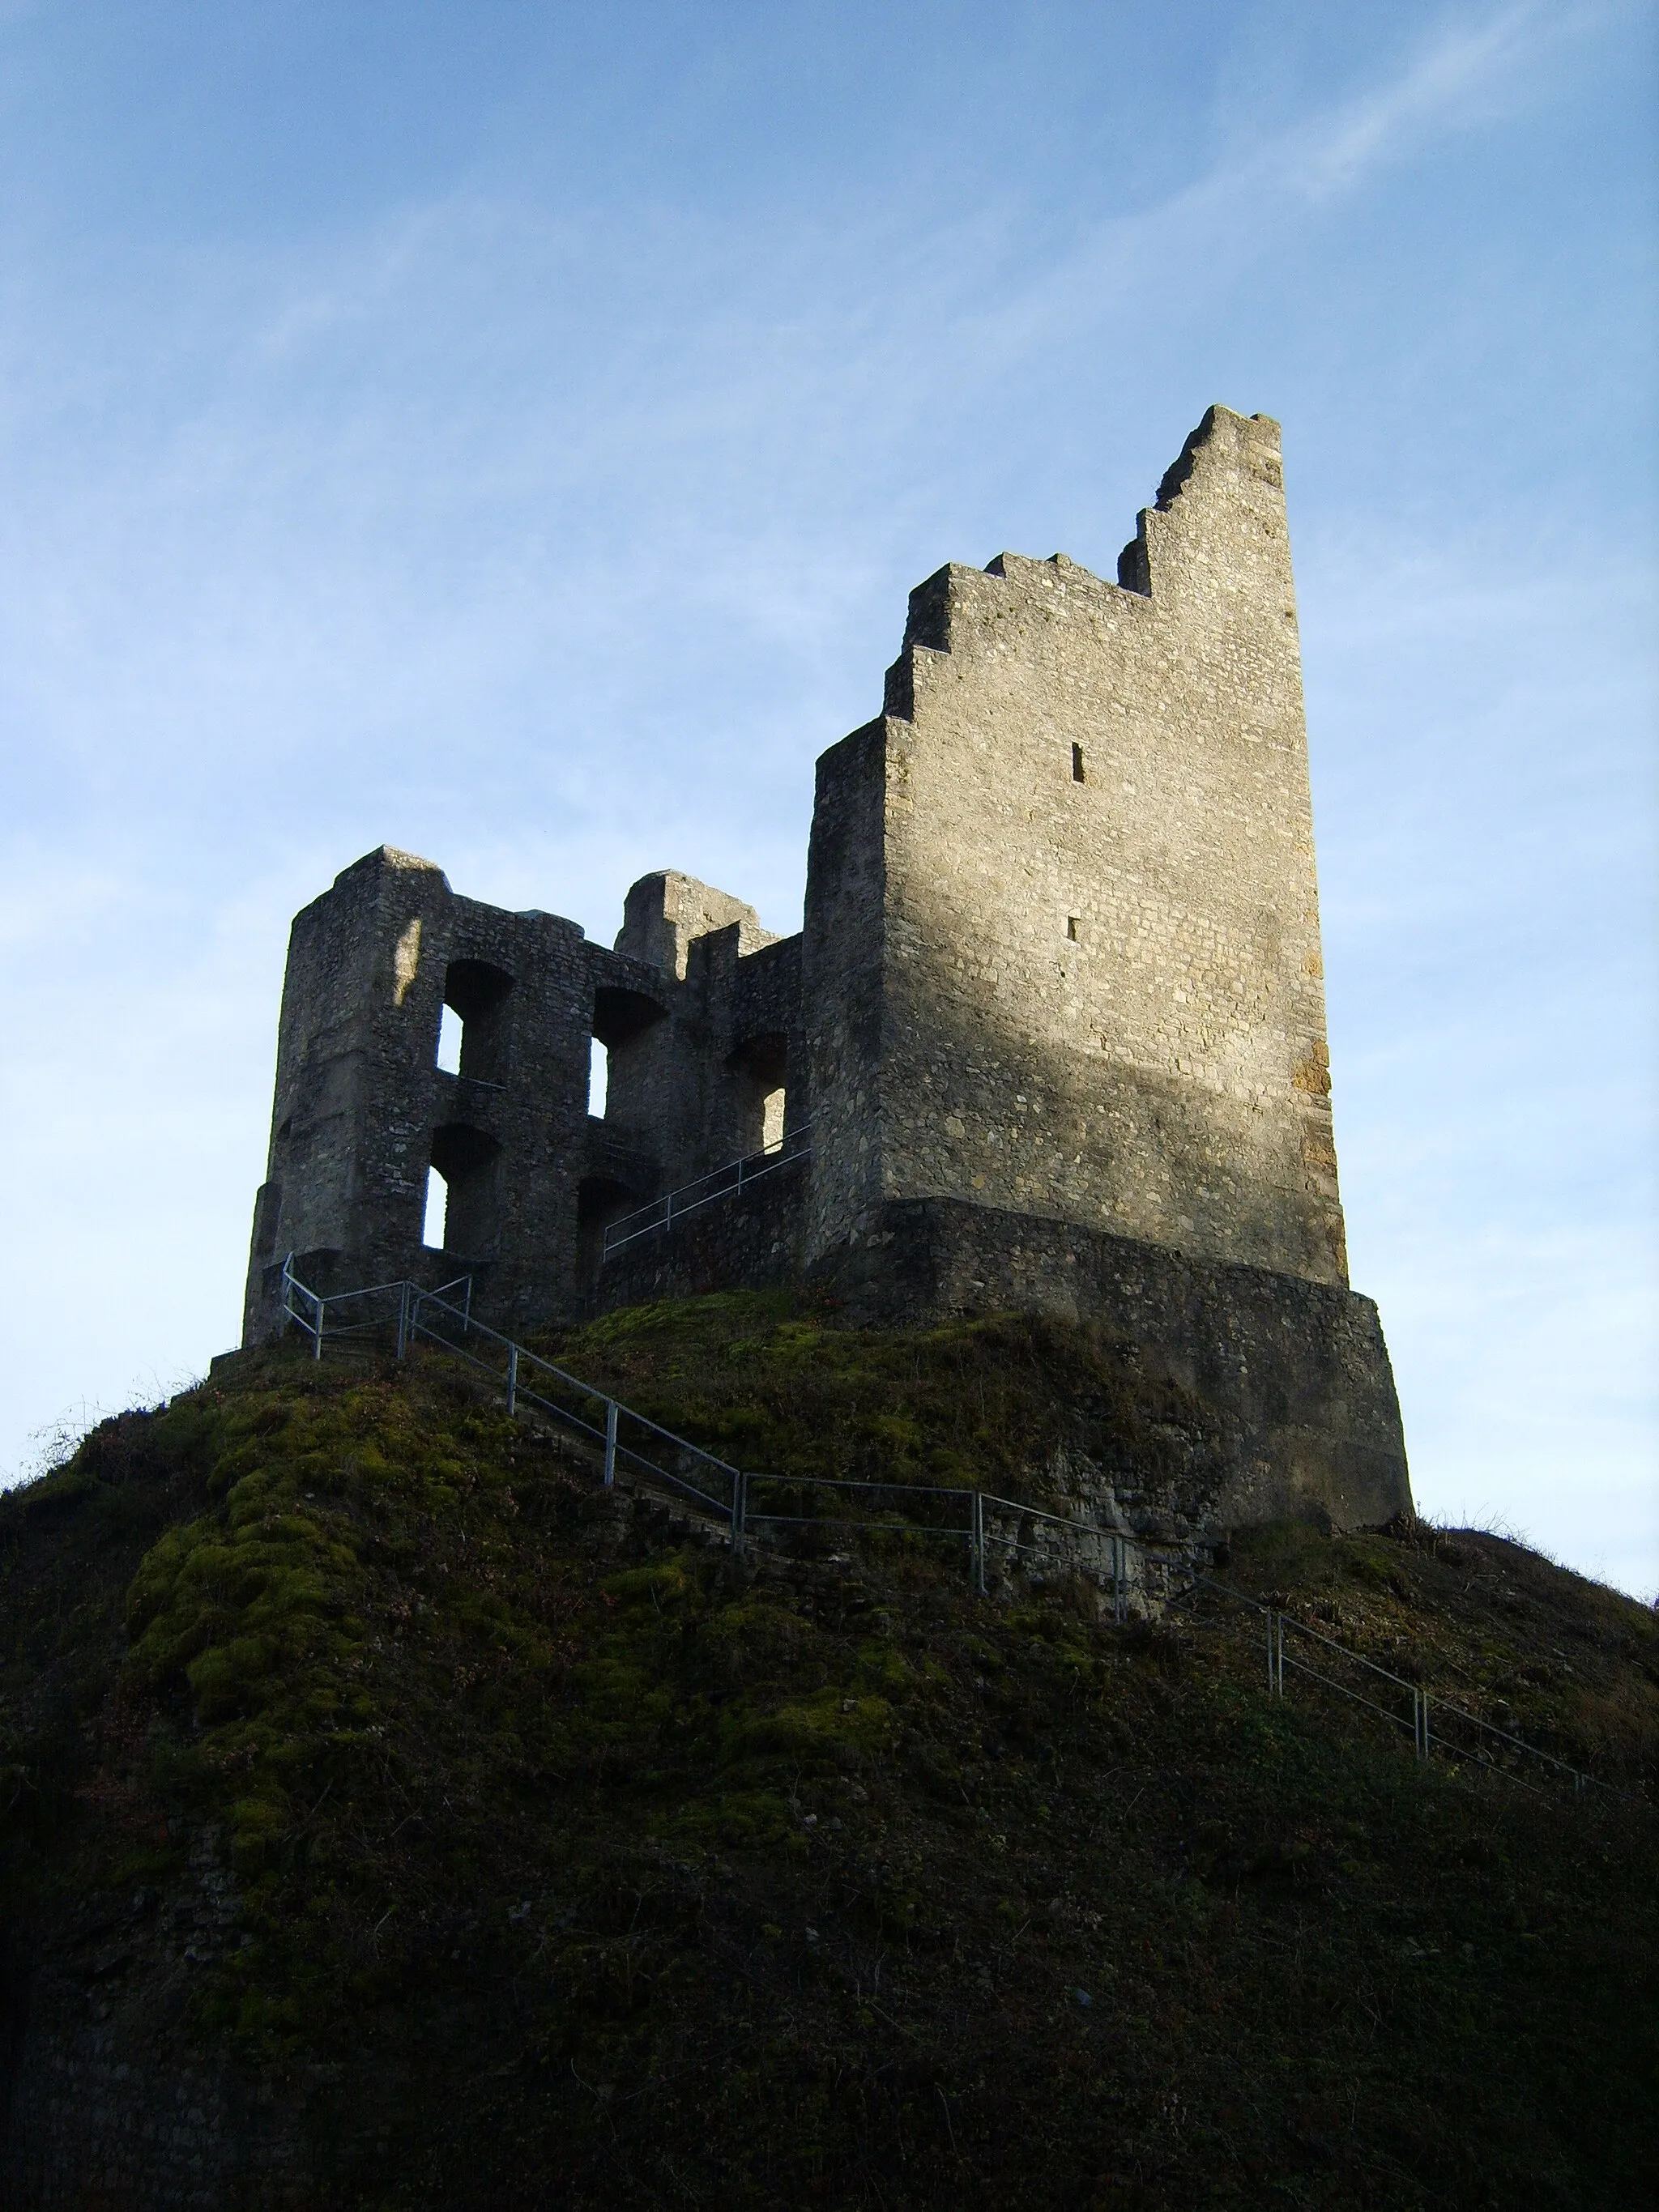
point(391, 1818)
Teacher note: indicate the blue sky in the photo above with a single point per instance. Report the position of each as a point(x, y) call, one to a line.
point(510, 432)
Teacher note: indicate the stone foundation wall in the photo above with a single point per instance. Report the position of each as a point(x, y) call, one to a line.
point(111, 2103)
point(1301, 1368)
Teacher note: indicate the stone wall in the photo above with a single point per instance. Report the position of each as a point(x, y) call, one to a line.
point(362, 1109)
point(1299, 1370)
point(114, 2103)
point(842, 982)
point(684, 1086)
point(754, 1239)
point(699, 1038)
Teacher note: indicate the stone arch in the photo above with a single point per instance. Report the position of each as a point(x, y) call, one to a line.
point(624, 1021)
point(760, 1070)
point(601, 1199)
point(469, 1162)
point(480, 994)
point(622, 1015)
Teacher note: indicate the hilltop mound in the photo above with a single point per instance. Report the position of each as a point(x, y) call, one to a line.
point(391, 1818)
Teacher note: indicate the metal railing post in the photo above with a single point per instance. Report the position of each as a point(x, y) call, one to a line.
point(403, 1319)
point(511, 1380)
point(977, 1543)
point(317, 1346)
point(610, 1443)
point(1272, 1685)
point(739, 1508)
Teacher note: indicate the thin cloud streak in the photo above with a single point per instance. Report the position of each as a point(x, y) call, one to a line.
point(1461, 79)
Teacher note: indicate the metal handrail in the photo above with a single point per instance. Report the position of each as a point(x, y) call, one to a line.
point(320, 1302)
point(413, 1301)
point(729, 1493)
point(673, 1204)
point(1425, 1739)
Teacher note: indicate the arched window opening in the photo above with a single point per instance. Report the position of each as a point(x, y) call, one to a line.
point(437, 1202)
point(760, 1066)
point(621, 1017)
point(474, 1026)
point(623, 1022)
point(600, 1200)
point(468, 1164)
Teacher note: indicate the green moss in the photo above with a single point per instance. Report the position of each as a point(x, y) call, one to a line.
point(1287, 1554)
point(664, 1583)
point(782, 1388)
point(565, 1851)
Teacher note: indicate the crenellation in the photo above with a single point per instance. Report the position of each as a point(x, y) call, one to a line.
point(1060, 969)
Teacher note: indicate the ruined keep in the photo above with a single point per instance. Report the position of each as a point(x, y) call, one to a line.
point(1052, 1035)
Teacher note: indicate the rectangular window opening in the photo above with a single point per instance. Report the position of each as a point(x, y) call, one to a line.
point(449, 1042)
point(598, 1080)
point(772, 1122)
point(1070, 927)
point(1077, 765)
point(437, 1209)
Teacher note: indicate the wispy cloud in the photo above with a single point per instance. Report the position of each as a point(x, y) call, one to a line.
point(1467, 74)
point(1267, 175)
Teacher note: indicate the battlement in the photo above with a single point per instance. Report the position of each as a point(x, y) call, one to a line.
point(1060, 965)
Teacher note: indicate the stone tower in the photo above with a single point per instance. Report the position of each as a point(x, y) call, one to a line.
point(1062, 925)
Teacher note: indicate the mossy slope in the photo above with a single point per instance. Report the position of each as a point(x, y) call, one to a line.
point(569, 1868)
point(781, 1384)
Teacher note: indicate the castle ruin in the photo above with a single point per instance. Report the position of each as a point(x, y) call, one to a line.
point(1052, 1035)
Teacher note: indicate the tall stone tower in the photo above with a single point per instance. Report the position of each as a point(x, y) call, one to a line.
point(1062, 933)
